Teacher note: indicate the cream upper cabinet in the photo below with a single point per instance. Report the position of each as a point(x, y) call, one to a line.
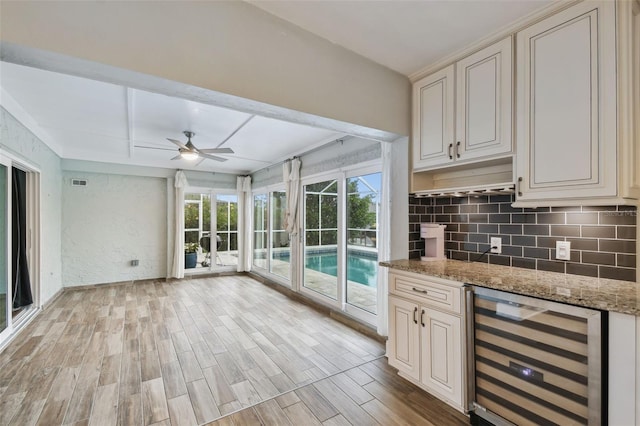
point(433, 109)
point(566, 105)
point(463, 112)
point(484, 102)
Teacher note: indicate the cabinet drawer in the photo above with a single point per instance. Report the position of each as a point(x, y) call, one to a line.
point(426, 291)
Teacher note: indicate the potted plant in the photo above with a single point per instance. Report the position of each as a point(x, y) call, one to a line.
point(190, 255)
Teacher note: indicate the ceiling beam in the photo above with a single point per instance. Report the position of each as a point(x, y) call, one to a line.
point(235, 131)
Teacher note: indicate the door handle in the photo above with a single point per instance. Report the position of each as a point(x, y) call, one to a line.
point(422, 318)
point(450, 155)
point(519, 186)
point(415, 311)
point(458, 149)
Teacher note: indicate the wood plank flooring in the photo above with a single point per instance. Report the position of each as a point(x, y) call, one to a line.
point(226, 350)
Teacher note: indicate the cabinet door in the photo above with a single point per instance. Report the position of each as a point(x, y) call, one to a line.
point(403, 345)
point(483, 108)
point(433, 106)
point(566, 110)
point(442, 354)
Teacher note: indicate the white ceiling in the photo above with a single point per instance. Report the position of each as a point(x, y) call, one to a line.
point(405, 36)
point(96, 121)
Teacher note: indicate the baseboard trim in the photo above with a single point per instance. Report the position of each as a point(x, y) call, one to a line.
point(46, 305)
point(115, 283)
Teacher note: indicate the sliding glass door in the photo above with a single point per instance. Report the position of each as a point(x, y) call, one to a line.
point(340, 241)
point(363, 209)
point(5, 296)
point(320, 242)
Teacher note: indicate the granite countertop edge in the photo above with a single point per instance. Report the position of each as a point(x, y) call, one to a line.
point(596, 293)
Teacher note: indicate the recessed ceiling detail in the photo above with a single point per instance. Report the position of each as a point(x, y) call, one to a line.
point(98, 121)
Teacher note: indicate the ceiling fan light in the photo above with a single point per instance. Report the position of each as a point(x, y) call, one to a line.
point(190, 155)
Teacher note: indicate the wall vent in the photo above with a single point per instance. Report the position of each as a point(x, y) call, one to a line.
point(78, 182)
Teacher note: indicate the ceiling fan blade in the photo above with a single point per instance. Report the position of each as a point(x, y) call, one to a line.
point(180, 144)
point(155, 147)
point(212, 157)
point(177, 157)
point(199, 162)
point(217, 151)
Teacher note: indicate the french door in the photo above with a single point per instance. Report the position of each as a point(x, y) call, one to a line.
point(339, 218)
point(211, 229)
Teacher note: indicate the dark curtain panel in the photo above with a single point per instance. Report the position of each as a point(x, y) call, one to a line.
point(21, 282)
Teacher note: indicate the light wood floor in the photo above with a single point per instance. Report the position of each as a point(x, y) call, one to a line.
point(191, 352)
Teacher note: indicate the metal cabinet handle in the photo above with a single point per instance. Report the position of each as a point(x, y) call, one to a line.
point(415, 311)
point(458, 149)
point(420, 291)
point(450, 155)
point(519, 186)
point(422, 318)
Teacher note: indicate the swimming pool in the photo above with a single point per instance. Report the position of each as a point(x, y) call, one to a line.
point(361, 269)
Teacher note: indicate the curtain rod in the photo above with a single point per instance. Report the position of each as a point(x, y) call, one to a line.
point(339, 140)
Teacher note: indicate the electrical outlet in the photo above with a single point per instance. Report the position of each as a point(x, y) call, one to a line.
point(563, 250)
point(497, 243)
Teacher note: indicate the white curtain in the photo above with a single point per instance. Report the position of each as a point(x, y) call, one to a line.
point(244, 223)
point(291, 174)
point(177, 269)
point(384, 234)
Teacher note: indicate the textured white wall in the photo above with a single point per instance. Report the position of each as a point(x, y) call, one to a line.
point(17, 139)
point(114, 219)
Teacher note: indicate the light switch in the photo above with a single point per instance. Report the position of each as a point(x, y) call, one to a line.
point(563, 250)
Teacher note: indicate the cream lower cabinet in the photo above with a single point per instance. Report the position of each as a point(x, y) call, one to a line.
point(426, 334)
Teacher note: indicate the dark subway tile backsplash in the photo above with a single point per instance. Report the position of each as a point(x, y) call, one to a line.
point(603, 239)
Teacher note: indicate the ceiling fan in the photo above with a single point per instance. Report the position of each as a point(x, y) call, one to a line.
point(188, 151)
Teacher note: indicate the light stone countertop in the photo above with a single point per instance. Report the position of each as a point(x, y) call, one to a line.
point(597, 293)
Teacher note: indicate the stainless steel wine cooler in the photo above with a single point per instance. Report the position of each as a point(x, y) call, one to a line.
point(535, 362)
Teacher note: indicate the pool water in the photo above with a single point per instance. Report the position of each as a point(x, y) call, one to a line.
point(363, 270)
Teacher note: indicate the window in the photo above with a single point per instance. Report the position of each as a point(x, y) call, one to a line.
point(280, 250)
point(336, 256)
point(271, 245)
point(260, 217)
